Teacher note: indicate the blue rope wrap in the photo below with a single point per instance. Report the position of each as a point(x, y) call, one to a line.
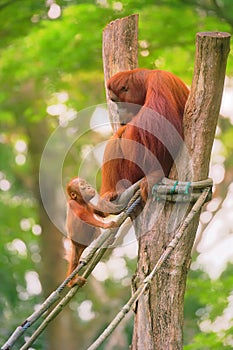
point(173, 189)
point(26, 325)
point(133, 206)
point(187, 188)
point(178, 188)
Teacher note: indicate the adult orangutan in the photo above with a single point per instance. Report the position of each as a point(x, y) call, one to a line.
point(151, 106)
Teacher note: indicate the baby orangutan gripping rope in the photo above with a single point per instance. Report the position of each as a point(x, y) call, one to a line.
point(83, 222)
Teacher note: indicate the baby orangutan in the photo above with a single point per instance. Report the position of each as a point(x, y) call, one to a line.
point(83, 222)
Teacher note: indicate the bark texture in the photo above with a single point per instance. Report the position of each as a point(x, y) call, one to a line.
point(120, 52)
point(159, 313)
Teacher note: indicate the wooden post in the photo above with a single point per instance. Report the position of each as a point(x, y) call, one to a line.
point(159, 315)
point(159, 312)
point(120, 52)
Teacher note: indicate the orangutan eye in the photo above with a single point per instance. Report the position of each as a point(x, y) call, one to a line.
point(73, 195)
point(124, 88)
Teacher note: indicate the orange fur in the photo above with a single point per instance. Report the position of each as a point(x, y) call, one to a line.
point(151, 138)
point(83, 223)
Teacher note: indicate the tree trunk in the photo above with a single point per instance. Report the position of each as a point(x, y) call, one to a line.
point(159, 315)
point(159, 312)
point(120, 52)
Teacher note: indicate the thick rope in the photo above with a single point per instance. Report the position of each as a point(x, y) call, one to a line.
point(144, 285)
point(94, 252)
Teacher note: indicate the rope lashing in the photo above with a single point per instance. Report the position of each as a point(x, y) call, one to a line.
point(179, 191)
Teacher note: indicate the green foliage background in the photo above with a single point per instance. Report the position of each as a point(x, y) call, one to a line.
point(41, 57)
